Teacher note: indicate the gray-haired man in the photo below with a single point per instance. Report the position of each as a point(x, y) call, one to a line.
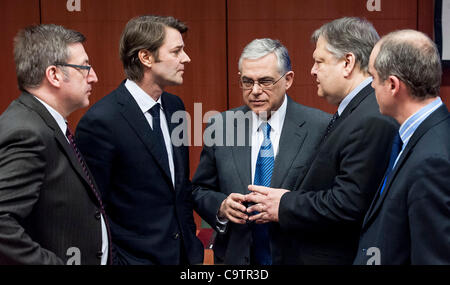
point(50, 209)
point(324, 215)
point(280, 137)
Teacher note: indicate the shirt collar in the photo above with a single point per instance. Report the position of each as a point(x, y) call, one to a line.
point(276, 119)
point(411, 124)
point(352, 94)
point(60, 120)
point(144, 101)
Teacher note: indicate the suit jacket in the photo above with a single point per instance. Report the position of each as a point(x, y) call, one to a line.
point(227, 169)
point(48, 212)
point(151, 219)
point(410, 222)
point(324, 215)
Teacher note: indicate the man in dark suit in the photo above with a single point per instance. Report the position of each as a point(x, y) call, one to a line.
point(324, 215)
point(143, 176)
point(50, 211)
point(409, 219)
point(227, 167)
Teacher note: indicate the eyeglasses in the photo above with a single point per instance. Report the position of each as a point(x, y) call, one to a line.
point(82, 67)
point(265, 84)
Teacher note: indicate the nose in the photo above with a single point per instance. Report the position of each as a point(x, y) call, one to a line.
point(92, 77)
point(314, 69)
point(186, 58)
point(256, 89)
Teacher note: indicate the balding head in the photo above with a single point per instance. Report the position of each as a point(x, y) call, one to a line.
point(413, 58)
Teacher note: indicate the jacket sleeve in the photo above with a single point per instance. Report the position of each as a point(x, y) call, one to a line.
point(22, 172)
point(429, 212)
point(361, 164)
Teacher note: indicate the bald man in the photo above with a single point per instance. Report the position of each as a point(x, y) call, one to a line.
point(409, 219)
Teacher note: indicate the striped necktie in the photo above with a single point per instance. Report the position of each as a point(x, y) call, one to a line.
point(261, 253)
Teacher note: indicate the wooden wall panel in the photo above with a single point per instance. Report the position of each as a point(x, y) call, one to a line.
point(14, 15)
point(293, 22)
point(103, 21)
point(425, 24)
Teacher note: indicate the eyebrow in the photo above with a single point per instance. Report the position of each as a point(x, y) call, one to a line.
point(177, 47)
point(261, 78)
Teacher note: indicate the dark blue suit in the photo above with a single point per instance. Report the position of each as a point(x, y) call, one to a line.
point(151, 220)
point(410, 222)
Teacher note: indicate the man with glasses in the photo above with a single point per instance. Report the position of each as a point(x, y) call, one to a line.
point(268, 141)
point(143, 176)
point(50, 210)
point(324, 215)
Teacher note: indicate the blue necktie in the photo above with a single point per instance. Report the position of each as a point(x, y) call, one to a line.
point(261, 254)
point(396, 147)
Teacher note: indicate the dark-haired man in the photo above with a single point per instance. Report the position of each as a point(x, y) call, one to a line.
point(125, 137)
point(324, 215)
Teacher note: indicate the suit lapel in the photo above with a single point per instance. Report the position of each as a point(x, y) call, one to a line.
point(291, 140)
point(435, 118)
point(34, 104)
point(137, 121)
point(354, 103)
point(242, 155)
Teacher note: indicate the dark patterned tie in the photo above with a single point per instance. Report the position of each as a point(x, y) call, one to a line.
point(330, 124)
point(71, 139)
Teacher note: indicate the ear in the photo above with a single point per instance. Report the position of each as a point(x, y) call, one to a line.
point(394, 84)
point(54, 76)
point(349, 63)
point(146, 57)
point(289, 79)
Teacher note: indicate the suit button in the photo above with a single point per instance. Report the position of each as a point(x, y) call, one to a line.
point(98, 215)
point(99, 254)
point(176, 236)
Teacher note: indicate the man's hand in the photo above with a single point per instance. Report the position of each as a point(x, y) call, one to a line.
point(267, 202)
point(232, 208)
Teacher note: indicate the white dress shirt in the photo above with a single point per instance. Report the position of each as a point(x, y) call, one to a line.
point(276, 122)
point(62, 123)
point(145, 103)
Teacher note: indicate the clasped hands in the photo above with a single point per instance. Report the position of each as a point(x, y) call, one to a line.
point(260, 206)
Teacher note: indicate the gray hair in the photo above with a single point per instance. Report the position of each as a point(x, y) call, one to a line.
point(261, 47)
point(144, 32)
point(349, 35)
point(412, 57)
point(37, 47)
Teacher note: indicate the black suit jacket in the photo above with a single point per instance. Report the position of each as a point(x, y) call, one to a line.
point(324, 215)
point(151, 220)
point(48, 211)
point(410, 222)
point(226, 169)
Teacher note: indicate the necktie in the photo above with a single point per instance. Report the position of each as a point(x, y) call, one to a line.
point(330, 125)
point(71, 139)
point(155, 112)
point(396, 147)
point(261, 254)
